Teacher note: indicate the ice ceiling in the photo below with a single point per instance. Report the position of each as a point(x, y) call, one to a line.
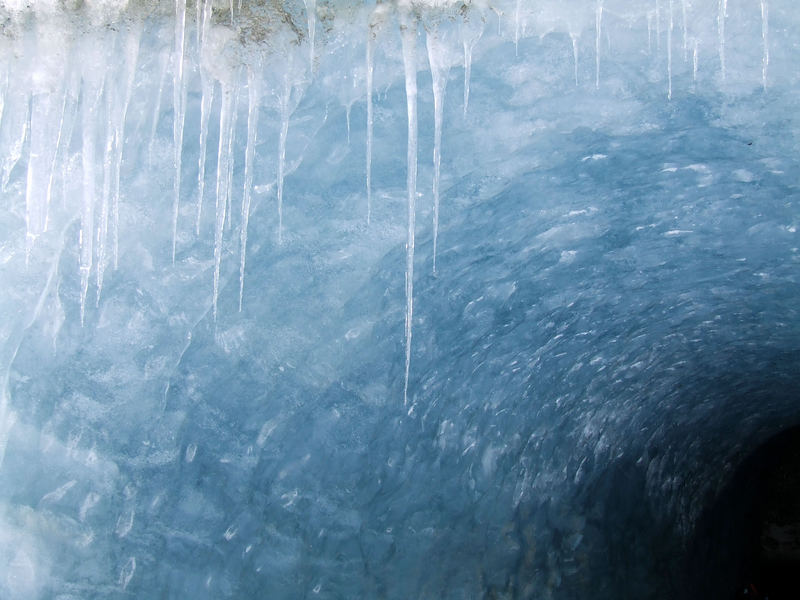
point(399, 300)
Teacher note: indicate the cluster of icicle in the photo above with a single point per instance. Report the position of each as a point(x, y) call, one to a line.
point(73, 65)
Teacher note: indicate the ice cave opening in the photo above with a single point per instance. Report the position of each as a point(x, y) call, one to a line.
point(399, 299)
point(748, 535)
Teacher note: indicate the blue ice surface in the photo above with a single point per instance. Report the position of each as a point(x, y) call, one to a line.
point(615, 311)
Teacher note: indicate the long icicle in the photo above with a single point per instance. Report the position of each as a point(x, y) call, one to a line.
point(132, 43)
point(206, 102)
point(467, 74)
point(162, 66)
point(92, 92)
point(439, 71)
point(370, 116)
point(765, 40)
point(685, 32)
point(721, 15)
point(223, 166)
point(598, 31)
point(285, 100)
point(105, 199)
point(669, 53)
point(229, 173)
point(179, 104)
point(254, 100)
point(408, 30)
point(45, 127)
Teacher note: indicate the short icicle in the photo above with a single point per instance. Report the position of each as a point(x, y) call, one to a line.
point(471, 31)
point(223, 167)
point(408, 31)
point(254, 101)
point(574, 39)
point(179, 105)
point(765, 40)
point(311, 14)
point(437, 58)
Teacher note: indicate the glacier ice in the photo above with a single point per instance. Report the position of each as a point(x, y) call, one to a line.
point(518, 360)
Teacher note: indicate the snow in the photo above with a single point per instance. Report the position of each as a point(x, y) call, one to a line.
point(517, 359)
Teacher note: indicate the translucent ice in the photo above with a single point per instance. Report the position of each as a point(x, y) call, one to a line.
point(298, 406)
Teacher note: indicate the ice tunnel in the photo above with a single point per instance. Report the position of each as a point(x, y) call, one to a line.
point(403, 299)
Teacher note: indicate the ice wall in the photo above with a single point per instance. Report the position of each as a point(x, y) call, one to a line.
point(413, 299)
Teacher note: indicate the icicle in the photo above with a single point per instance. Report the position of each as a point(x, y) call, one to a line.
point(649, 33)
point(47, 105)
point(163, 59)
point(207, 99)
point(721, 15)
point(765, 39)
point(109, 150)
point(3, 90)
point(284, 109)
point(467, 74)
point(69, 117)
point(685, 31)
point(132, 42)
point(694, 62)
point(15, 129)
point(669, 53)
point(206, 102)
point(598, 31)
point(198, 24)
point(44, 136)
point(311, 14)
point(516, 28)
point(254, 100)
point(370, 116)
point(92, 92)
point(223, 167)
point(575, 55)
point(439, 70)
point(408, 30)
point(179, 105)
point(116, 114)
point(229, 173)
point(471, 30)
point(658, 26)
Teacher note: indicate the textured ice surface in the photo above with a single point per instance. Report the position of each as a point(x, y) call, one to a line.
point(612, 324)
